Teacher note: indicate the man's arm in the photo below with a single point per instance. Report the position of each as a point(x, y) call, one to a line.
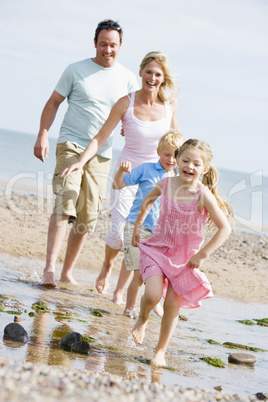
point(41, 147)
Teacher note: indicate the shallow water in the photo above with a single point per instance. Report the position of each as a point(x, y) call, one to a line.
point(113, 350)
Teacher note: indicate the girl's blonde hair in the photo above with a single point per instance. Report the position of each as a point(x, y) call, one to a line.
point(172, 138)
point(168, 89)
point(210, 178)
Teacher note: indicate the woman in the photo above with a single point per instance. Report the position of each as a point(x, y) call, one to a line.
point(146, 115)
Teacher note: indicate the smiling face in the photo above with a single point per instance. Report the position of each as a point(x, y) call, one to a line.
point(167, 157)
point(152, 76)
point(191, 164)
point(107, 48)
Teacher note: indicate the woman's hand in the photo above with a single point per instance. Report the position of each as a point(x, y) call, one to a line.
point(76, 167)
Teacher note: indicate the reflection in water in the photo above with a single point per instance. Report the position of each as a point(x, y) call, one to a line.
point(113, 350)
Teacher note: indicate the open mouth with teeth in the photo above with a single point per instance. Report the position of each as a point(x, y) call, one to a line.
point(188, 173)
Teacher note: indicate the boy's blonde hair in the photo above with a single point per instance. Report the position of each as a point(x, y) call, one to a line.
point(168, 89)
point(173, 138)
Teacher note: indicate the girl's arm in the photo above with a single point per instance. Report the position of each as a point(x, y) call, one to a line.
point(224, 230)
point(116, 114)
point(119, 182)
point(146, 205)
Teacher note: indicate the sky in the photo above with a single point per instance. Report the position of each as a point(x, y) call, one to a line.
point(218, 52)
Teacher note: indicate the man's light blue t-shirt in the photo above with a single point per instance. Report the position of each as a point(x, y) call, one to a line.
point(91, 92)
point(146, 176)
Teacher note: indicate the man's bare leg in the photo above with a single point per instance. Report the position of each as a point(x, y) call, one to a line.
point(56, 232)
point(132, 294)
point(102, 281)
point(122, 282)
point(75, 243)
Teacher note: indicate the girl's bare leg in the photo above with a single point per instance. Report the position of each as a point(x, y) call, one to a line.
point(152, 295)
point(168, 325)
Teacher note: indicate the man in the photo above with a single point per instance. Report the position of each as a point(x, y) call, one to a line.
point(92, 86)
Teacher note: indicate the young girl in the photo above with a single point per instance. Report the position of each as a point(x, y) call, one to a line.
point(170, 259)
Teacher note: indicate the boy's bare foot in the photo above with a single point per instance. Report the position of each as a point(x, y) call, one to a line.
point(159, 359)
point(48, 279)
point(68, 278)
point(102, 281)
point(138, 331)
point(158, 310)
point(118, 298)
point(130, 313)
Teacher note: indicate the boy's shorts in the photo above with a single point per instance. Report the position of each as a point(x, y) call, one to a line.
point(79, 195)
point(132, 254)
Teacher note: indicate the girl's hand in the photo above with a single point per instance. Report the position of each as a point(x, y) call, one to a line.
point(76, 167)
point(125, 166)
point(135, 237)
point(195, 261)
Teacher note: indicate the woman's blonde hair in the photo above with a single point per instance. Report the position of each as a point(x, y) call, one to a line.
point(210, 178)
point(168, 89)
point(172, 138)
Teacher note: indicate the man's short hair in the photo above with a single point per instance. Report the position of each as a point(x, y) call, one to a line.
point(109, 25)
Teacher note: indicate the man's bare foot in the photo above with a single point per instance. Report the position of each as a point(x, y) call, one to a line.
point(130, 313)
point(102, 281)
point(158, 310)
point(138, 331)
point(48, 279)
point(68, 278)
point(118, 298)
point(159, 359)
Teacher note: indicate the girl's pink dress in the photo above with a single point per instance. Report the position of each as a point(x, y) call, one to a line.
point(177, 236)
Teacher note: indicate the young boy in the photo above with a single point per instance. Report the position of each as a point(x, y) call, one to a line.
point(145, 175)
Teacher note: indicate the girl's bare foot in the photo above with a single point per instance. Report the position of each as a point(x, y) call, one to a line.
point(102, 281)
point(158, 310)
point(48, 279)
point(159, 359)
point(138, 331)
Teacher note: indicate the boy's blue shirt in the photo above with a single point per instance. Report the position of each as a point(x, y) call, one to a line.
point(146, 176)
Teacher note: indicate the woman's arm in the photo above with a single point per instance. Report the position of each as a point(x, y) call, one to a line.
point(174, 123)
point(119, 182)
point(146, 205)
point(116, 114)
point(224, 230)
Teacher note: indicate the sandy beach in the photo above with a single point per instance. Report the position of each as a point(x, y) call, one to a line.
point(238, 270)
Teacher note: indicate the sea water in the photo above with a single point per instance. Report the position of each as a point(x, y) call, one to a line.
point(113, 349)
point(21, 171)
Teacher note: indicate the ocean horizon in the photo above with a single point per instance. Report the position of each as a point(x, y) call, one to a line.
point(21, 171)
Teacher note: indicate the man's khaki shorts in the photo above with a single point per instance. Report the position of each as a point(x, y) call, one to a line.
point(132, 254)
point(79, 195)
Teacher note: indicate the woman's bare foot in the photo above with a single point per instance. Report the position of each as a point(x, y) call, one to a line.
point(68, 278)
point(48, 279)
point(158, 310)
point(159, 359)
point(118, 298)
point(138, 331)
point(102, 281)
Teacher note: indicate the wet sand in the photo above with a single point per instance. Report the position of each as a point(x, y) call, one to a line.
point(24, 232)
point(238, 269)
